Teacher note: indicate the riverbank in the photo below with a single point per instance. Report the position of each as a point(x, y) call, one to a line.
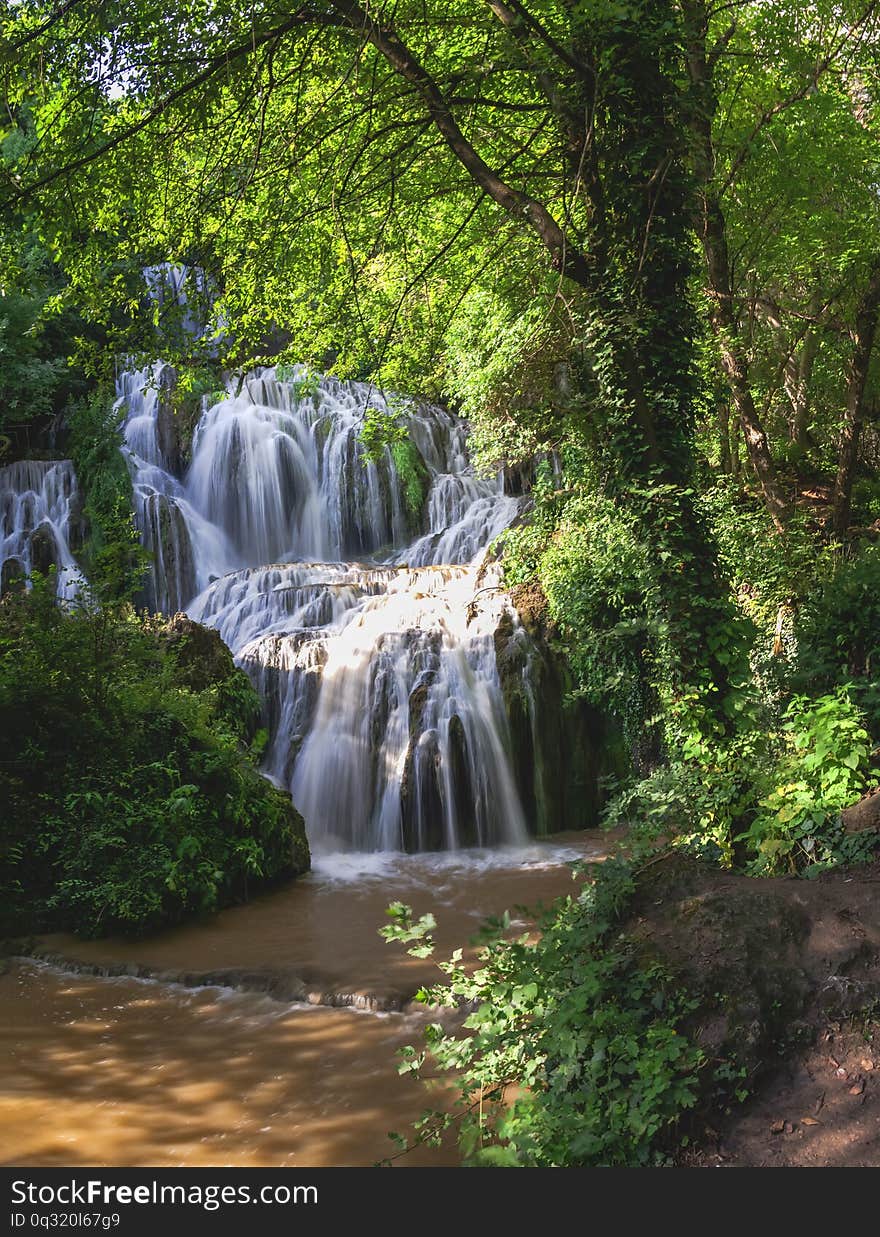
point(786, 973)
point(225, 1041)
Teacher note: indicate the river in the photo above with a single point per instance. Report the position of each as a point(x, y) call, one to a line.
point(187, 1059)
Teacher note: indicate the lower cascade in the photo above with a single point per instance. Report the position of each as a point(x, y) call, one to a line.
point(357, 594)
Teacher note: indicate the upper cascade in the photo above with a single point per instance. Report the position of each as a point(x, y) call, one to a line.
point(354, 591)
point(39, 508)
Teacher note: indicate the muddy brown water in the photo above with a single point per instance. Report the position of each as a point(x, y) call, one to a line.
point(169, 1051)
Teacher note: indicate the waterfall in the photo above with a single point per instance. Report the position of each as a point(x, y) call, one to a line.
point(187, 549)
point(365, 620)
point(39, 509)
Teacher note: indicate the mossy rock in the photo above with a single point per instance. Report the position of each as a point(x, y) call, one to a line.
point(561, 747)
point(293, 857)
point(203, 662)
point(201, 657)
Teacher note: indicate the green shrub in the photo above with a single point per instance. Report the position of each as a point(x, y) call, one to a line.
point(766, 570)
point(866, 501)
point(129, 798)
point(838, 633)
point(603, 594)
point(768, 797)
point(576, 1055)
point(822, 768)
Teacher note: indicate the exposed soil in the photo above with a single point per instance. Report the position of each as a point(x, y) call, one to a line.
point(821, 1110)
point(788, 973)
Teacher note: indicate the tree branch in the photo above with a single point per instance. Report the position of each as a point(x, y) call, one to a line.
point(219, 64)
point(518, 204)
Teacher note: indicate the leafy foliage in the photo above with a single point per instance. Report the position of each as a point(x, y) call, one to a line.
point(129, 798)
point(111, 556)
point(838, 632)
point(499, 209)
point(576, 1052)
point(822, 769)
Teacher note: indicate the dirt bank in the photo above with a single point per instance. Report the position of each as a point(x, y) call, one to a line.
point(787, 973)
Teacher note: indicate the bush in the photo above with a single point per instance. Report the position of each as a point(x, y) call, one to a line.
point(839, 633)
point(603, 594)
point(577, 1054)
point(822, 768)
point(130, 799)
point(766, 570)
point(769, 797)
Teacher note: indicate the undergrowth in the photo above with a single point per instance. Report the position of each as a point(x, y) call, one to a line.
point(575, 1052)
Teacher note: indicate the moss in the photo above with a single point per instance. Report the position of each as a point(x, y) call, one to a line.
point(414, 476)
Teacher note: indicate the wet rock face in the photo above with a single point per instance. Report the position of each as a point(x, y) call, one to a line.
point(169, 423)
point(43, 550)
point(533, 609)
point(298, 846)
point(561, 747)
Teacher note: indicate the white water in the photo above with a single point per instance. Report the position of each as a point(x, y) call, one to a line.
point(38, 502)
point(367, 627)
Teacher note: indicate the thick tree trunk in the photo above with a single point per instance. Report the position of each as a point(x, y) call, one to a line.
point(864, 333)
point(713, 234)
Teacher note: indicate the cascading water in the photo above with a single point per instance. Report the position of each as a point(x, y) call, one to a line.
point(365, 620)
point(187, 549)
point(39, 507)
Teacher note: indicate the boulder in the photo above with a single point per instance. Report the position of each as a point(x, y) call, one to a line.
point(864, 814)
point(203, 660)
point(43, 550)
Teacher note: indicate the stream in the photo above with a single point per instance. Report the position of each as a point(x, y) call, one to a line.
point(187, 1049)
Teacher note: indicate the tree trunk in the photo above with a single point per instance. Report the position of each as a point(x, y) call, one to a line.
point(864, 332)
point(713, 234)
point(797, 366)
point(798, 390)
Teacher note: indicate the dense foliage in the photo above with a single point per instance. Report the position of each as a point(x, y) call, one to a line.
point(578, 1053)
point(129, 795)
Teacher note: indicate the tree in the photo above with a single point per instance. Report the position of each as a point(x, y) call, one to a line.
point(785, 125)
point(351, 173)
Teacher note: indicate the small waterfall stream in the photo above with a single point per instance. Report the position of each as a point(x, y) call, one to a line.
point(361, 598)
point(365, 621)
point(39, 506)
point(397, 682)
